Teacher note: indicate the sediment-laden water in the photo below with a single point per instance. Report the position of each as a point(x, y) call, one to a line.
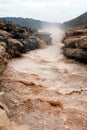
point(46, 91)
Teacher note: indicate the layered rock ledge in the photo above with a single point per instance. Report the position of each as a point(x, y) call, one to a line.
point(75, 44)
point(15, 40)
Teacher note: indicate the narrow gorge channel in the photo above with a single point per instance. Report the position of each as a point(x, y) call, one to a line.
point(46, 91)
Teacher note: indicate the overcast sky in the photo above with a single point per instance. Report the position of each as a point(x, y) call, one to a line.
point(46, 10)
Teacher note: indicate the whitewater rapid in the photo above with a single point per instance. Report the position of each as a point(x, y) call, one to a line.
point(45, 90)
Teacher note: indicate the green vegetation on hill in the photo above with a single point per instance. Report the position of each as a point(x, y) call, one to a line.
point(28, 22)
point(79, 21)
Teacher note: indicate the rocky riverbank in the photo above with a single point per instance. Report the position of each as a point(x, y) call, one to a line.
point(42, 89)
point(75, 44)
point(46, 91)
point(15, 40)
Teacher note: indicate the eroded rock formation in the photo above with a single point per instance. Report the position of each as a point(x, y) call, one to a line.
point(14, 40)
point(5, 123)
point(3, 59)
point(44, 36)
point(17, 40)
point(75, 44)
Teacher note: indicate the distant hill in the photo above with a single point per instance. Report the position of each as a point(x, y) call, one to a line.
point(79, 21)
point(28, 22)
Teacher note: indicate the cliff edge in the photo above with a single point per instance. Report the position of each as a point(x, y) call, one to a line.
point(75, 44)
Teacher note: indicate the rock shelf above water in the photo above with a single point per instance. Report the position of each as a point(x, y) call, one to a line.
point(75, 44)
point(17, 40)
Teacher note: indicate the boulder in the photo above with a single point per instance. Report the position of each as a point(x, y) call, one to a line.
point(5, 123)
point(78, 54)
point(1, 38)
point(75, 44)
point(5, 34)
point(45, 37)
point(3, 59)
point(3, 44)
point(32, 43)
point(17, 40)
point(3, 102)
point(76, 32)
point(14, 48)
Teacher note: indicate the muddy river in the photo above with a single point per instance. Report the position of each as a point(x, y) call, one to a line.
point(46, 91)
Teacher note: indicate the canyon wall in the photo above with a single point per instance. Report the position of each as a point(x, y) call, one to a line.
point(75, 44)
point(15, 40)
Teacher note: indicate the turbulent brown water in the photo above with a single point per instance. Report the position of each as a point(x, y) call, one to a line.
point(46, 91)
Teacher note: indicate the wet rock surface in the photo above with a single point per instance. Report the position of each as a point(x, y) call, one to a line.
point(75, 44)
point(3, 59)
point(45, 37)
point(43, 89)
point(17, 40)
point(14, 40)
point(46, 91)
point(5, 123)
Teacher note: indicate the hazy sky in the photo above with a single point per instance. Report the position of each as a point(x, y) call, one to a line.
point(46, 10)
